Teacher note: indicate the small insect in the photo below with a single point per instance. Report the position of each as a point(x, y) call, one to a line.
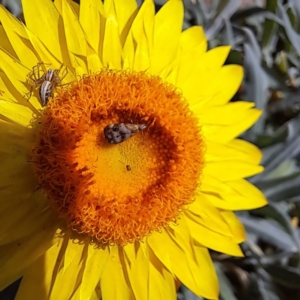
point(128, 167)
point(120, 132)
point(47, 82)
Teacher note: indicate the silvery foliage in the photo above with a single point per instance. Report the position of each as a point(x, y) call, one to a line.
point(14, 6)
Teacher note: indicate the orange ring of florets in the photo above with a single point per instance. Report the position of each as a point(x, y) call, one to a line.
point(85, 178)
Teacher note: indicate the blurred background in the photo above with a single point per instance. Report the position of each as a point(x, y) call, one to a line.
point(265, 40)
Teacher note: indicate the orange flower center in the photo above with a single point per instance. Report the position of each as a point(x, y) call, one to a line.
point(118, 193)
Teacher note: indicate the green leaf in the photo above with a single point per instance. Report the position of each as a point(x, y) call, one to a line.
point(269, 26)
point(234, 57)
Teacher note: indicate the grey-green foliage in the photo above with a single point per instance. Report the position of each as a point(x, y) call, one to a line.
point(266, 41)
point(14, 6)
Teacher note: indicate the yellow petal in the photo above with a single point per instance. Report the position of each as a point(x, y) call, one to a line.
point(18, 255)
point(37, 278)
point(43, 20)
point(7, 91)
point(212, 239)
point(95, 262)
point(192, 46)
point(236, 226)
point(21, 219)
point(170, 73)
point(15, 140)
point(58, 6)
point(219, 152)
point(225, 85)
point(147, 13)
point(247, 148)
point(115, 269)
point(137, 266)
point(205, 214)
point(5, 43)
point(73, 250)
point(111, 55)
point(107, 5)
point(154, 243)
point(125, 12)
point(211, 184)
point(181, 262)
point(97, 293)
point(18, 38)
point(180, 252)
point(142, 25)
point(90, 21)
point(161, 281)
point(231, 169)
point(167, 31)
point(199, 72)
point(210, 283)
point(225, 114)
point(224, 134)
point(47, 57)
point(193, 37)
point(128, 52)
point(142, 32)
point(17, 183)
point(208, 286)
point(94, 63)
point(75, 37)
point(24, 225)
point(141, 58)
point(69, 272)
point(16, 112)
point(75, 7)
point(16, 73)
point(242, 196)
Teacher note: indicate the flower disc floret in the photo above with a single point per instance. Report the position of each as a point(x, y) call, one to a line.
point(118, 193)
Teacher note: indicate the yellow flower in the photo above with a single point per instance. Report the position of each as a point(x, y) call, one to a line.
point(81, 217)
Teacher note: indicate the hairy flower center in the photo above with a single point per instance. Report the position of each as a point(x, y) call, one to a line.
point(118, 193)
